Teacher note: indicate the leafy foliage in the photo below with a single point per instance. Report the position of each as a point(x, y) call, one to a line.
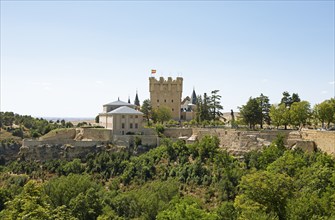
point(173, 181)
point(26, 126)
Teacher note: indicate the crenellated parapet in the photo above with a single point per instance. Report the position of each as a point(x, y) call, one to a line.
point(162, 84)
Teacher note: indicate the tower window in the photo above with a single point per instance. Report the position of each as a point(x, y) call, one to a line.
point(122, 125)
point(131, 125)
point(157, 100)
point(172, 100)
point(122, 116)
point(164, 100)
point(173, 109)
point(136, 125)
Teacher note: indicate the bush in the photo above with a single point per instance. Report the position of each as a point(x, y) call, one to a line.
point(160, 129)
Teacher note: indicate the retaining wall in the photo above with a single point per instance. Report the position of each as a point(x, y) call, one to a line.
point(324, 140)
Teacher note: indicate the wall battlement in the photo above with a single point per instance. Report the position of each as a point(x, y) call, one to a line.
point(95, 140)
point(153, 82)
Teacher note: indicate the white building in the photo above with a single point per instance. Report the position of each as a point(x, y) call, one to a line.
point(121, 117)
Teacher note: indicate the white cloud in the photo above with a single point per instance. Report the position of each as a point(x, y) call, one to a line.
point(324, 92)
point(99, 82)
point(332, 82)
point(264, 80)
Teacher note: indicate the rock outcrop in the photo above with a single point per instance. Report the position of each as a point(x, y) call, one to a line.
point(68, 150)
point(9, 151)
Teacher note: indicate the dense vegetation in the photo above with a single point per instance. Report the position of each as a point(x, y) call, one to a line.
point(17, 126)
point(291, 111)
point(25, 126)
point(173, 181)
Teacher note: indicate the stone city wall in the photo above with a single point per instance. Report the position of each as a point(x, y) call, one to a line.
point(324, 140)
point(60, 134)
point(177, 132)
point(87, 140)
point(239, 142)
point(94, 134)
point(128, 140)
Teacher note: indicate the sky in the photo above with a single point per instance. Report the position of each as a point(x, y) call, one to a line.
point(68, 58)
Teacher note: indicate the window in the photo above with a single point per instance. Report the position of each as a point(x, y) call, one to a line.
point(164, 100)
point(172, 100)
point(136, 116)
point(131, 116)
point(122, 116)
point(131, 126)
point(157, 100)
point(122, 125)
point(173, 109)
point(136, 125)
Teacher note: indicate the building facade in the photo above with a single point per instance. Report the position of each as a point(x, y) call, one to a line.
point(167, 93)
point(188, 107)
point(121, 117)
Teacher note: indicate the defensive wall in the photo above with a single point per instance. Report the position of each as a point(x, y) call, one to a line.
point(72, 143)
point(324, 140)
point(238, 142)
point(178, 132)
point(92, 134)
point(129, 140)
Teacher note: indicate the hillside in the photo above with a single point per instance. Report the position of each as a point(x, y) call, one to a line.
point(173, 181)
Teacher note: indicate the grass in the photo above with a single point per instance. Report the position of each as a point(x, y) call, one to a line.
point(5, 135)
point(54, 132)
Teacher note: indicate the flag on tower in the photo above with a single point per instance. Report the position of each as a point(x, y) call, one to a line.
point(153, 71)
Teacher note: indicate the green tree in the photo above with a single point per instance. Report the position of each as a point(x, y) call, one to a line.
point(264, 191)
point(86, 205)
point(29, 204)
point(280, 115)
point(73, 166)
point(199, 109)
point(208, 146)
point(69, 125)
point(226, 211)
point(251, 112)
point(295, 98)
point(215, 106)
point(186, 209)
point(163, 114)
point(265, 108)
point(146, 109)
point(96, 119)
point(288, 100)
point(300, 112)
point(62, 190)
point(325, 112)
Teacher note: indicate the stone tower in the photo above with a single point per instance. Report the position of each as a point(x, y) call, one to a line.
point(166, 93)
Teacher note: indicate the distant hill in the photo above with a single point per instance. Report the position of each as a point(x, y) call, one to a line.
point(69, 118)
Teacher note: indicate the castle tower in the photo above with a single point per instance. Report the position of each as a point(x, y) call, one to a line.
point(166, 93)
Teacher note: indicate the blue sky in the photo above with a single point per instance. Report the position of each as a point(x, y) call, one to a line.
point(67, 59)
